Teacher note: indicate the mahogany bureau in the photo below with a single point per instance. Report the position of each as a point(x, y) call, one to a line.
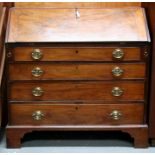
point(77, 70)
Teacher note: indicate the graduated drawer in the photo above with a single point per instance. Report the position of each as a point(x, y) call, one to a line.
point(76, 114)
point(75, 54)
point(85, 90)
point(80, 71)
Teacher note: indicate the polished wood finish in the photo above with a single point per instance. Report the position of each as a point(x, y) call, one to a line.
point(3, 106)
point(75, 54)
point(81, 94)
point(7, 5)
point(25, 25)
point(82, 71)
point(71, 5)
point(2, 16)
point(138, 132)
point(78, 4)
point(150, 10)
point(73, 114)
point(77, 91)
point(2, 29)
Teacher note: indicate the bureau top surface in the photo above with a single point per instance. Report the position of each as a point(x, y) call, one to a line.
point(77, 25)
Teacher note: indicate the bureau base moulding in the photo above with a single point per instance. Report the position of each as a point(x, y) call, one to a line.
point(138, 132)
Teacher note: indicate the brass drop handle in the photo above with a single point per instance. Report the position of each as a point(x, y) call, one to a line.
point(116, 115)
point(37, 54)
point(118, 54)
point(38, 115)
point(37, 71)
point(37, 92)
point(116, 91)
point(117, 72)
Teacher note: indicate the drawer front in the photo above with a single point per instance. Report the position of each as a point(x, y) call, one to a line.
point(77, 91)
point(76, 71)
point(75, 54)
point(76, 114)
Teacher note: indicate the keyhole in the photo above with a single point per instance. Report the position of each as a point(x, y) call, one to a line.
point(9, 54)
point(76, 52)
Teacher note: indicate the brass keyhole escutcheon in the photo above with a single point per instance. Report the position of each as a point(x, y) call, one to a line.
point(118, 54)
point(116, 115)
point(38, 115)
point(37, 92)
point(37, 54)
point(116, 91)
point(37, 71)
point(117, 72)
point(9, 54)
point(76, 51)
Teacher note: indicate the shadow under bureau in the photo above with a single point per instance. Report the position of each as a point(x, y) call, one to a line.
point(77, 70)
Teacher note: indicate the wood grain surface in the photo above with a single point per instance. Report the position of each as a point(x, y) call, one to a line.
point(83, 90)
point(77, 25)
point(76, 54)
point(3, 106)
point(74, 71)
point(74, 114)
point(150, 8)
point(78, 4)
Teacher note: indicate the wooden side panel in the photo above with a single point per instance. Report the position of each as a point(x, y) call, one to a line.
point(150, 10)
point(3, 112)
